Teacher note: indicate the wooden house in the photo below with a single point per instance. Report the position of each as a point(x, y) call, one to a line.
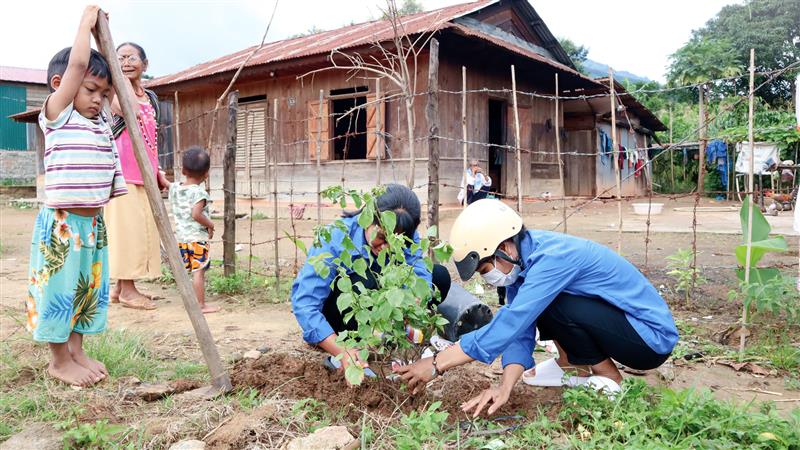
point(486, 37)
point(22, 92)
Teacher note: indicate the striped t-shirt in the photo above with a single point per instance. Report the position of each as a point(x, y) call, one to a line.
point(81, 164)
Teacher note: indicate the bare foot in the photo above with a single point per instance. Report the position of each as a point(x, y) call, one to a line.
point(72, 373)
point(97, 368)
point(208, 309)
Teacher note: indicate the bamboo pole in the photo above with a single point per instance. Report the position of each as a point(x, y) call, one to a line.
point(750, 170)
point(229, 189)
point(560, 162)
point(176, 152)
point(248, 120)
point(701, 168)
point(464, 131)
point(274, 154)
point(379, 145)
point(671, 152)
point(432, 115)
point(615, 143)
point(219, 377)
point(319, 156)
point(517, 138)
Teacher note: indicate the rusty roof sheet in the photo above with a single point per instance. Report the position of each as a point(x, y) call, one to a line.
point(326, 41)
point(23, 75)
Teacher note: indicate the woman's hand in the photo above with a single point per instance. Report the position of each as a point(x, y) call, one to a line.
point(496, 395)
point(417, 375)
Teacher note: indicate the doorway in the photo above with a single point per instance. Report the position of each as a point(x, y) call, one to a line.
point(497, 137)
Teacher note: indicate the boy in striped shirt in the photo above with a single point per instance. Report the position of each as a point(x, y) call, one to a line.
point(68, 289)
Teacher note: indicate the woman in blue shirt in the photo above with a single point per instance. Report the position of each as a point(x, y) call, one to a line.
point(593, 303)
point(313, 299)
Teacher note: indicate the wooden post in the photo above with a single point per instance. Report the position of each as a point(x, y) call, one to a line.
point(379, 144)
point(701, 168)
point(517, 138)
point(560, 163)
point(274, 155)
point(432, 115)
point(319, 156)
point(248, 120)
point(750, 170)
point(615, 143)
point(176, 152)
point(229, 188)
point(464, 131)
point(219, 377)
point(671, 152)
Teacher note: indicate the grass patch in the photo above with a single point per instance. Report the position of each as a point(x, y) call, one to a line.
point(242, 283)
point(258, 215)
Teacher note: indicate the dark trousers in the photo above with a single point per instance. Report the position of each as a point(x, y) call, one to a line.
point(440, 278)
point(591, 330)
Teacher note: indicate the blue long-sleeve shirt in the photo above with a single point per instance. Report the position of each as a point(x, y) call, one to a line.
point(310, 290)
point(553, 263)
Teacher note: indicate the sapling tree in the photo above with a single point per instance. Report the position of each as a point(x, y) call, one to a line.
point(400, 297)
point(686, 277)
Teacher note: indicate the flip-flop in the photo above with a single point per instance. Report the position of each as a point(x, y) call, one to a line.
point(549, 374)
point(603, 384)
point(142, 303)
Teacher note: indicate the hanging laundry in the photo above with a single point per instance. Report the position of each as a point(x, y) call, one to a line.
point(717, 155)
point(606, 147)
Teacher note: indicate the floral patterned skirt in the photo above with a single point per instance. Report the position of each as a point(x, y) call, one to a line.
point(69, 285)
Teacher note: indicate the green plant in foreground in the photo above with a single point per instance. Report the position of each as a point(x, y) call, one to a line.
point(95, 436)
point(419, 429)
point(776, 295)
point(686, 277)
point(401, 297)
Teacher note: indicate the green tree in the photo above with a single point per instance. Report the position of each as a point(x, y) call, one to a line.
point(771, 27)
point(577, 53)
point(408, 7)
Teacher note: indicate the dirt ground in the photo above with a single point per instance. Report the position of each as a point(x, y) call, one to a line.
point(262, 320)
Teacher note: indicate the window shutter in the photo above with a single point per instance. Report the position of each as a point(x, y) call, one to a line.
point(250, 136)
point(314, 134)
point(375, 142)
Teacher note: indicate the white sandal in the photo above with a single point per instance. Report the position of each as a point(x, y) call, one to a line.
point(549, 374)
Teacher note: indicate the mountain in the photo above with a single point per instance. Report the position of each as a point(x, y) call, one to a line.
point(595, 69)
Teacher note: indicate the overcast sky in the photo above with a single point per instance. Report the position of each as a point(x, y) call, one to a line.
point(633, 35)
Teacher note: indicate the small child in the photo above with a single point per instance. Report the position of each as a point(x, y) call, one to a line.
point(193, 225)
point(69, 282)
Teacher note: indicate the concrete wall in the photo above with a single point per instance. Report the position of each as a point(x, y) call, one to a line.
point(18, 167)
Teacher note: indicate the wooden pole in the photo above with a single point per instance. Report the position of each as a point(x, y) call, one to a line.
point(615, 143)
point(219, 377)
point(274, 154)
point(432, 115)
point(517, 138)
point(560, 162)
point(750, 170)
point(248, 120)
point(671, 152)
point(464, 131)
point(378, 129)
point(319, 158)
point(229, 188)
point(701, 168)
point(176, 152)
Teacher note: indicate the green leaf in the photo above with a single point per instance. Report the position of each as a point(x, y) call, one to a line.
point(432, 232)
point(360, 267)
point(388, 221)
point(345, 285)
point(344, 301)
point(761, 227)
point(395, 298)
point(354, 374)
point(759, 276)
point(367, 216)
point(759, 249)
point(443, 252)
point(297, 242)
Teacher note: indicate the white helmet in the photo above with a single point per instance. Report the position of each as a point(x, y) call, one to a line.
point(479, 230)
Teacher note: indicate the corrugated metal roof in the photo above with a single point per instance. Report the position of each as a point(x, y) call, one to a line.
point(23, 75)
point(326, 41)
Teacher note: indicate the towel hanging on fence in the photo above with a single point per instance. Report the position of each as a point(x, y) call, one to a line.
point(717, 154)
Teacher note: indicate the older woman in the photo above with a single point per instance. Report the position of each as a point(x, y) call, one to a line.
point(134, 251)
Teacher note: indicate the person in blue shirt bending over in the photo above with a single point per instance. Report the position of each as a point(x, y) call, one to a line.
point(313, 298)
point(593, 303)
